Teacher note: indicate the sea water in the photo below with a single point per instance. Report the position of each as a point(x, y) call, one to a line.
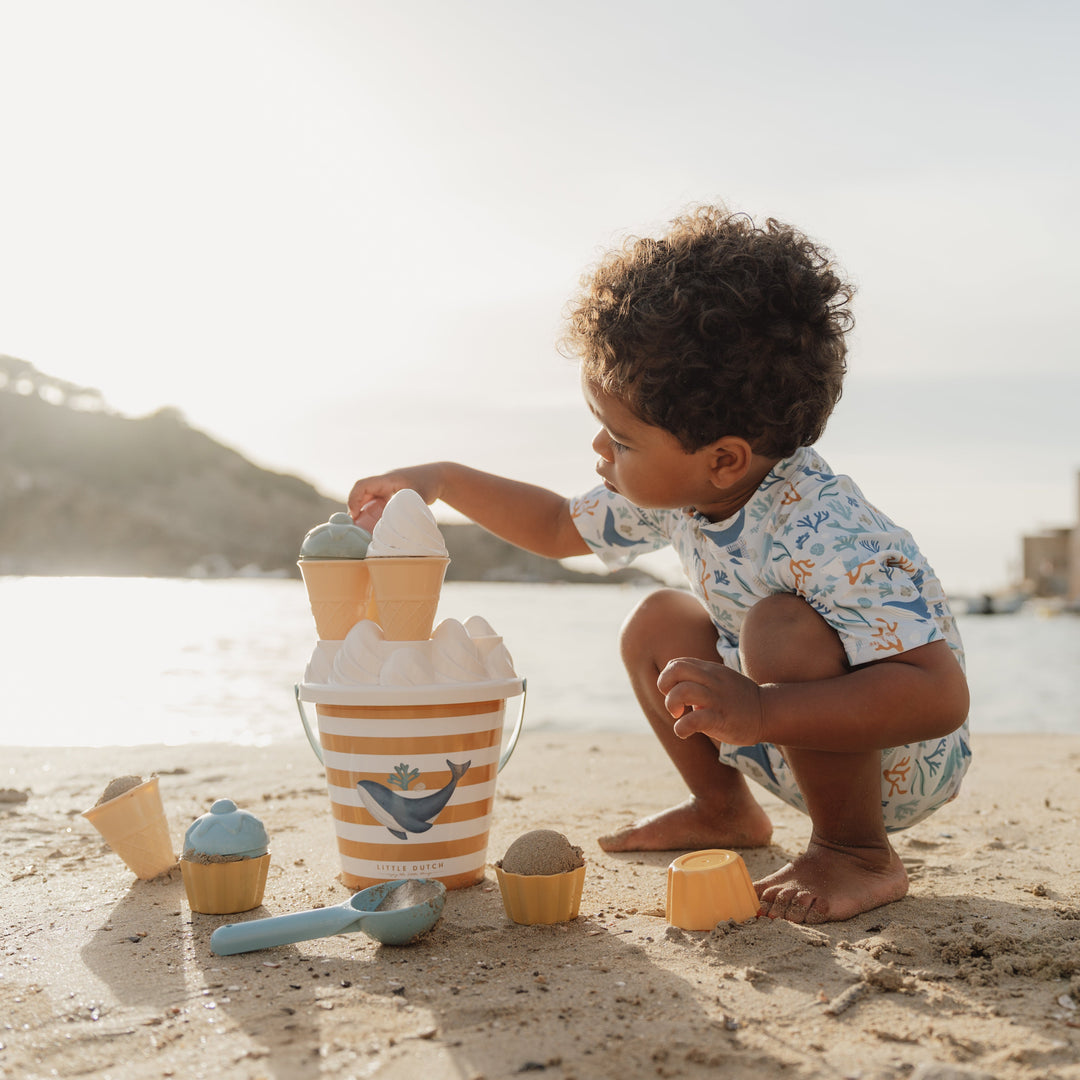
point(129, 661)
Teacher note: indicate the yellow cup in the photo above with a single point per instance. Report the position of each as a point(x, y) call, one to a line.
point(709, 887)
point(225, 888)
point(533, 899)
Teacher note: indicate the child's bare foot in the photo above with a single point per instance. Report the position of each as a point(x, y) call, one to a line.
point(830, 883)
point(691, 827)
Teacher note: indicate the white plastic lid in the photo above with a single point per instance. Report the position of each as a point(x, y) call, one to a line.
point(435, 694)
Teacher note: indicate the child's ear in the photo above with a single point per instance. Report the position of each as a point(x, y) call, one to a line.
point(730, 459)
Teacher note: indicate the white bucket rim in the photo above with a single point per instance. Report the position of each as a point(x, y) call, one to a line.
point(437, 694)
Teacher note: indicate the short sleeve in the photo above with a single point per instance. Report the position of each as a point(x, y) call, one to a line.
point(615, 529)
point(865, 577)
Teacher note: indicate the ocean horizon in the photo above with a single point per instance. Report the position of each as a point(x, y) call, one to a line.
point(101, 661)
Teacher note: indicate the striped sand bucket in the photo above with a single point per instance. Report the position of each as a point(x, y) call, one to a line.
point(411, 775)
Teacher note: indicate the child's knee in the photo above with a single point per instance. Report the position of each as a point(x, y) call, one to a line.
point(666, 620)
point(642, 624)
point(783, 639)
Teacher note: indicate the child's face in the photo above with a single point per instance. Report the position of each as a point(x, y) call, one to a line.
point(643, 463)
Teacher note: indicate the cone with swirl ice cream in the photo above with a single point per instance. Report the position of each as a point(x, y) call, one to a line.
point(407, 560)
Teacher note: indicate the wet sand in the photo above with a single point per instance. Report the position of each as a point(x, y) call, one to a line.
point(976, 973)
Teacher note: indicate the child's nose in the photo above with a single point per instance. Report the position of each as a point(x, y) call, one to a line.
point(602, 445)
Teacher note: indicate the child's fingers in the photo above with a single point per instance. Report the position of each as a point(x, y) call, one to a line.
point(692, 721)
point(368, 497)
point(359, 497)
point(685, 697)
point(687, 686)
point(686, 669)
point(712, 699)
point(370, 514)
point(716, 723)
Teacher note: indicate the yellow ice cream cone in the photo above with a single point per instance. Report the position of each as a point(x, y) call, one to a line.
point(340, 594)
point(134, 826)
point(406, 594)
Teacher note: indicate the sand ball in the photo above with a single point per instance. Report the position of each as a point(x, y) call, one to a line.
point(541, 852)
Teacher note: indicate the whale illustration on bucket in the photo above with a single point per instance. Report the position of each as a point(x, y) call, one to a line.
point(410, 769)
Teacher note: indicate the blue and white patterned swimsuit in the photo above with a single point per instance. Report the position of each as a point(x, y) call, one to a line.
point(810, 532)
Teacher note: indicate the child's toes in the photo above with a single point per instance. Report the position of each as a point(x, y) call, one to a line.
point(801, 909)
point(774, 900)
point(789, 901)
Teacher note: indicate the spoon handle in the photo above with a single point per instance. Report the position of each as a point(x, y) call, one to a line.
point(281, 930)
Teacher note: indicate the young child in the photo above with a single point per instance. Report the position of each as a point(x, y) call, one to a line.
point(816, 652)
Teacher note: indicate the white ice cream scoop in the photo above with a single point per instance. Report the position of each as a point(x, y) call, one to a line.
point(407, 529)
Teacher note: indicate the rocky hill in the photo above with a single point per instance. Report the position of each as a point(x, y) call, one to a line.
point(84, 490)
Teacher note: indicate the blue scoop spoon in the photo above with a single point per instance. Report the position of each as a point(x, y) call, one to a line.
point(392, 926)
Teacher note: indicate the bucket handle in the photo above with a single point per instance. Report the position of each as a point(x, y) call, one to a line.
point(307, 726)
point(514, 735)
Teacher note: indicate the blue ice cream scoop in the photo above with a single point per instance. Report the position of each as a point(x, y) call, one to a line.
point(338, 538)
point(225, 830)
point(394, 925)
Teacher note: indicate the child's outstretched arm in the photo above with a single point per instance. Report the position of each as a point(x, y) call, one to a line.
point(525, 515)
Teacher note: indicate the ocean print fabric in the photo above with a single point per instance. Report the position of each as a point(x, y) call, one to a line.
point(915, 779)
point(810, 532)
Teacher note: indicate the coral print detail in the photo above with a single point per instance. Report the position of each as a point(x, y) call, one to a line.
point(853, 574)
point(897, 775)
point(585, 505)
point(801, 570)
point(402, 776)
point(886, 638)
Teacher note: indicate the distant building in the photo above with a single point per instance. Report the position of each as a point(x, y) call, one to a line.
point(1052, 560)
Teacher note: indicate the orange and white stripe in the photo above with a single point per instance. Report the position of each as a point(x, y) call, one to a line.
point(368, 742)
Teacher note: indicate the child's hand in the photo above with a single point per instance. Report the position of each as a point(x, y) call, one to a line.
point(369, 496)
point(712, 699)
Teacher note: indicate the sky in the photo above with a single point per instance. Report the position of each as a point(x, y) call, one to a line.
point(341, 236)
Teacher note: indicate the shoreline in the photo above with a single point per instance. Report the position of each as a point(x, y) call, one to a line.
point(975, 973)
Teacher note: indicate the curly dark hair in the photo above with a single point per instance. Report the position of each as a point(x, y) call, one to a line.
point(720, 327)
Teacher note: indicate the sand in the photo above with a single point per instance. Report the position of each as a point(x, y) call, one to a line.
point(409, 895)
point(541, 851)
point(975, 974)
point(117, 786)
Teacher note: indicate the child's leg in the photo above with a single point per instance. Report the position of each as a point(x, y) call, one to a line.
point(849, 865)
point(720, 812)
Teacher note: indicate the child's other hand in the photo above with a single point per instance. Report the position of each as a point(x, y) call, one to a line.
point(714, 700)
point(369, 496)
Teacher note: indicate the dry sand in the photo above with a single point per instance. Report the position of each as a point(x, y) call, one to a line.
point(976, 973)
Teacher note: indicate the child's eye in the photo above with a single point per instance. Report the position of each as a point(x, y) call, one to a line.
point(618, 447)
